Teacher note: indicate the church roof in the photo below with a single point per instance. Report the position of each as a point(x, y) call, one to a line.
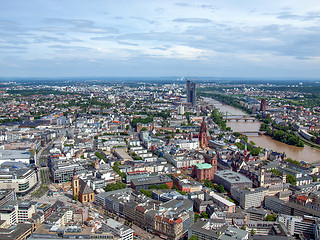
point(84, 188)
point(203, 166)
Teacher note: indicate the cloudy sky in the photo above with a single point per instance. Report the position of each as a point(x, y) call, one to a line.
point(225, 38)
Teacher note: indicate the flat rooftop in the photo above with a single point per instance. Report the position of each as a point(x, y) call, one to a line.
point(232, 177)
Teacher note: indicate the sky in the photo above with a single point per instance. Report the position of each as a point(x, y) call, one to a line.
point(217, 38)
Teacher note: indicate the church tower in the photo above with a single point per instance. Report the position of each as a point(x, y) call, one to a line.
point(203, 138)
point(75, 184)
point(96, 164)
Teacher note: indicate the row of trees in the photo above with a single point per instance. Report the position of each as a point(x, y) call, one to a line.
point(209, 184)
point(117, 170)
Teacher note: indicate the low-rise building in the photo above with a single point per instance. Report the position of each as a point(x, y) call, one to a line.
point(203, 231)
point(230, 180)
point(139, 183)
point(21, 231)
point(117, 229)
point(223, 203)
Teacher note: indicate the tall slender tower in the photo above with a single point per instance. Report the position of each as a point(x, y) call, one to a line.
point(263, 105)
point(75, 184)
point(191, 93)
point(203, 138)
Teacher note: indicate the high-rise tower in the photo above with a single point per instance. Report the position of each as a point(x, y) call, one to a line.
point(191, 93)
point(263, 105)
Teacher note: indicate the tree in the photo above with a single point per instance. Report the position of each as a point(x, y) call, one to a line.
point(271, 217)
point(236, 134)
point(196, 216)
point(205, 215)
point(175, 187)
point(275, 171)
point(146, 192)
point(115, 186)
point(164, 186)
point(117, 170)
point(182, 192)
point(193, 238)
point(255, 151)
point(253, 231)
point(208, 184)
point(314, 179)
point(292, 180)
point(219, 188)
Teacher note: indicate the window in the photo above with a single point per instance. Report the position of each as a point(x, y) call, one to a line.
point(23, 186)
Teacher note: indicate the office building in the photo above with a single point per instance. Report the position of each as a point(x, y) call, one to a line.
point(263, 105)
point(192, 93)
point(20, 179)
point(230, 180)
point(247, 198)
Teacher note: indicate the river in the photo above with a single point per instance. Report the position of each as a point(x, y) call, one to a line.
point(307, 154)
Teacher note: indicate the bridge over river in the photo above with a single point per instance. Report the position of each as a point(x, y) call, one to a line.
point(245, 118)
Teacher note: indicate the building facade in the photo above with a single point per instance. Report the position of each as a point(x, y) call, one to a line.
point(192, 93)
point(203, 171)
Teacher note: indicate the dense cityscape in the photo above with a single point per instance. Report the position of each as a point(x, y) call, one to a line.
point(178, 159)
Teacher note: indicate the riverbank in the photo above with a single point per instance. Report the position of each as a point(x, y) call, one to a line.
point(307, 153)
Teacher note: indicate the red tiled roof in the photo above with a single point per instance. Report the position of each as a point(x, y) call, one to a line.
point(302, 198)
point(140, 209)
point(179, 220)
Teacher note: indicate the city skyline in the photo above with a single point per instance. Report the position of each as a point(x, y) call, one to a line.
point(150, 38)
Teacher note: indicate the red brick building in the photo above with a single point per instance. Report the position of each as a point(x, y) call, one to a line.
point(203, 171)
